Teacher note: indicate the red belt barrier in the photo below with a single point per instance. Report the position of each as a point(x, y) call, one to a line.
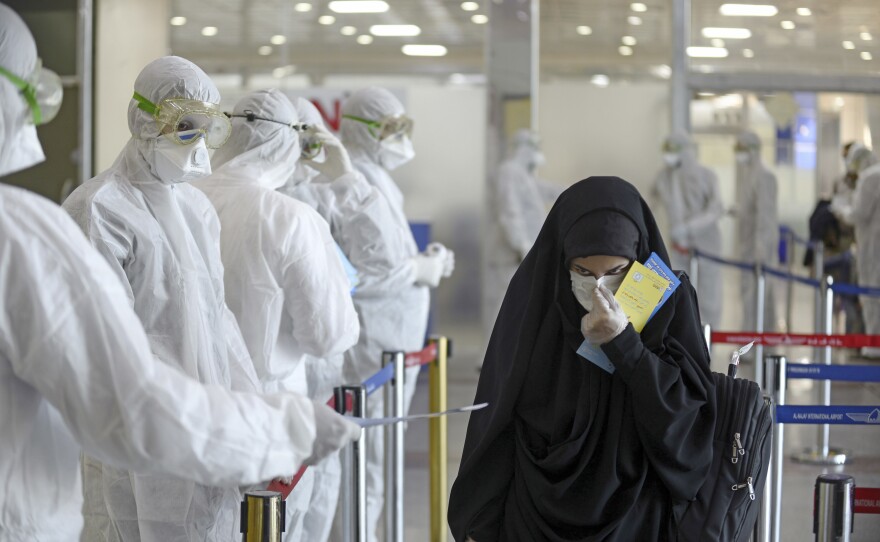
point(795, 339)
point(422, 357)
point(866, 500)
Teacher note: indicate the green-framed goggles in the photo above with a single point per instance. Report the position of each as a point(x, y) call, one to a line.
point(41, 90)
point(387, 127)
point(186, 121)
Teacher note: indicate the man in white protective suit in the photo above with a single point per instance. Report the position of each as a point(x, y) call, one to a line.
point(76, 368)
point(689, 194)
point(757, 226)
point(161, 237)
point(862, 211)
point(284, 279)
point(518, 205)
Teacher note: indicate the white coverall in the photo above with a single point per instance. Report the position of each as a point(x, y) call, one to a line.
point(162, 240)
point(689, 194)
point(284, 280)
point(76, 367)
point(518, 203)
point(863, 212)
point(757, 227)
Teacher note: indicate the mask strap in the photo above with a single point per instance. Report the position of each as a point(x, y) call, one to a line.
point(29, 92)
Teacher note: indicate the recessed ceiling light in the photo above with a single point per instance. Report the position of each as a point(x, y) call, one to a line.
point(178, 21)
point(358, 6)
point(707, 52)
point(628, 40)
point(209, 31)
point(348, 30)
point(748, 53)
point(423, 50)
point(277, 39)
point(470, 6)
point(866, 36)
point(365, 39)
point(479, 18)
point(804, 12)
point(584, 30)
point(625, 50)
point(748, 10)
point(866, 55)
point(849, 45)
point(265, 50)
point(303, 7)
point(600, 80)
point(839, 102)
point(395, 30)
point(326, 19)
point(634, 20)
point(662, 71)
point(787, 25)
point(717, 42)
point(727, 33)
point(638, 7)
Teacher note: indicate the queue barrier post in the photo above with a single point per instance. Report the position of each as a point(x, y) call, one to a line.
point(262, 516)
point(759, 322)
point(833, 507)
point(771, 509)
point(789, 290)
point(438, 438)
point(394, 448)
point(353, 493)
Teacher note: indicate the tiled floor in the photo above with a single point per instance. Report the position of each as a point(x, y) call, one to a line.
point(798, 478)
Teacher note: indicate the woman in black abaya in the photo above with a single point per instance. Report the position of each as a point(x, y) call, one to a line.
point(567, 451)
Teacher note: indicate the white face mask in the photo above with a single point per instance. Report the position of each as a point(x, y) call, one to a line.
point(22, 151)
point(395, 151)
point(671, 159)
point(583, 286)
point(174, 163)
point(742, 158)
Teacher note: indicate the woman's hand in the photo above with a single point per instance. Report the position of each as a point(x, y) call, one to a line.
point(606, 321)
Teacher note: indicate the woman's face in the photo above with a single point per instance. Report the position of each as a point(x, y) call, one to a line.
point(599, 266)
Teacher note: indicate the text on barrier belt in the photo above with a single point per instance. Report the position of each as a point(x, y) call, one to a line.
point(821, 415)
point(866, 500)
point(795, 339)
point(848, 373)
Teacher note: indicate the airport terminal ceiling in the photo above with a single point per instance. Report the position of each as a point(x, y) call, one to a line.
point(578, 37)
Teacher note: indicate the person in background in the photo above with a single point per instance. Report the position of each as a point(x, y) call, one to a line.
point(518, 203)
point(392, 298)
point(285, 282)
point(757, 225)
point(76, 368)
point(566, 449)
point(688, 192)
point(862, 211)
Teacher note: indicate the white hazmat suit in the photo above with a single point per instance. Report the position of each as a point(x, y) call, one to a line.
point(76, 367)
point(757, 225)
point(689, 194)
point(285, 282)
point(518, 202)
point(862, 211)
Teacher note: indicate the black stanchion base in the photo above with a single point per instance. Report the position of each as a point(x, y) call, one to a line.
point(813, 456)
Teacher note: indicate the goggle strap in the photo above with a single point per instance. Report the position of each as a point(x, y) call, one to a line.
point(145, 104)
point(29, 92)
point(250, 116)
point(368, 122)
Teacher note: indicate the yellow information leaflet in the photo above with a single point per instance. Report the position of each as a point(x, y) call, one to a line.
point(639, 293)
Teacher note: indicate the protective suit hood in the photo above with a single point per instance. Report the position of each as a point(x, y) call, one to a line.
point(308, 114)
point(372, 103)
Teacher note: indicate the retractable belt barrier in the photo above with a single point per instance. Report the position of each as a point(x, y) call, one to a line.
point(795, 339)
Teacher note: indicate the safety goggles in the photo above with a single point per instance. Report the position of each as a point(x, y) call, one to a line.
point(184, 120)
point(672, 148)
point(387, 127)
point(311, 146)
point(41, 90)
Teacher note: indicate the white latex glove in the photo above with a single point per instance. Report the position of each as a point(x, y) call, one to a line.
point(429, 269)
point(448, 257)
point(332, 432)
point(606, 321)
point(336, 161)
point(680, 235)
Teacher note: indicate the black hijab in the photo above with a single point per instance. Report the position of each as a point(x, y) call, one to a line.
point(565, 450)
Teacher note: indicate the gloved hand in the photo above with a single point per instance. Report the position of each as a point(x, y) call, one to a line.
point(448, 257)
point(680, 235)
point(284, 480)
point(429, 269)
point(606, 321)
point(332, 432)
point(336, 161)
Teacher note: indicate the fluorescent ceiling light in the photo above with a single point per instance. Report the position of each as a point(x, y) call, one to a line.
point(283, 71)
point(634, 20)
point(277, 39)
point(748, 10)
point(584, 30)
point(395, 30)
point(178, 21)
point(479, 18)
point(209, 31)
point(326, 19)
point(727, 33)
point(365, 39)
point(707, 52)
point(600, 80)
point(787, 25)
point(866, 36)
point(358, 6)
point(470, 6)
point(638, 7)
point(423, 50)
point(866, 55)
point(849, 45)
point(265, 50)
point(662, 71)
point(348, 30)
point(628, 40)
point(804, 12)
point(717, 42)
point(625, 50)
point(303, 7)
point(748, 53)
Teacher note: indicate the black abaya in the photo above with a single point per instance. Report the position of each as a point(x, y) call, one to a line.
point(566, 451)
